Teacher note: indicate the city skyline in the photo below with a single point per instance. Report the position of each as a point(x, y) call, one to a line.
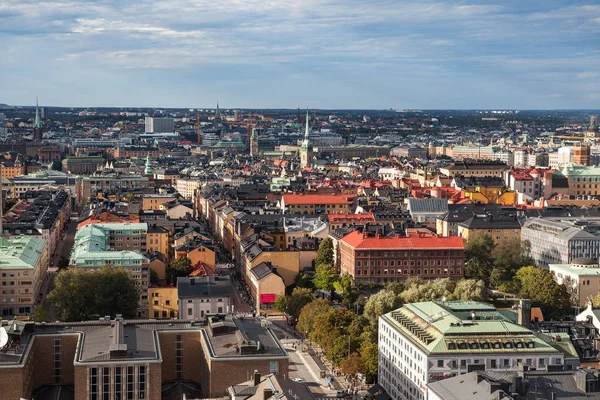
point(330, 55)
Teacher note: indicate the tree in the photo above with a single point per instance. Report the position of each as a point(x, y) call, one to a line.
point(396, 287)
point(281, 304)
point(368, 357)
point(304, 281)
point(470, 289)
point(79, 294)
point(596, 300)
point(347, 286)
point(325, 277)
point(352, 364)
point(308, 314)
point(539, 286)
point(57, 165)
point(299, 298)
point(181, 266)
point(63, 263)
point(381, 303)
point(40, 315)
point(431, 290)
point(478, 253)
point(325, 252)
point(153, 277)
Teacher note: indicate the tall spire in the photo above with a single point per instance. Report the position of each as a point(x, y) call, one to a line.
point(37, 123)
point(218, 112)
point(148, 169)
point(307, 122)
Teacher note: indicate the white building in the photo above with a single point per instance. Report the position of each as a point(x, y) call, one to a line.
point(199, 296)
point(425, 342)
point(159, 125)
point(563, 156)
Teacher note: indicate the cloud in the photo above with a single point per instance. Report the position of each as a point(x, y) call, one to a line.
point(458, 45)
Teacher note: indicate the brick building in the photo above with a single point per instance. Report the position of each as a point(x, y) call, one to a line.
point(316, 203)
point(374, 258)
point(49, 153)
point(136, 359)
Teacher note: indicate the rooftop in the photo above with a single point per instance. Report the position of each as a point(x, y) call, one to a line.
point(358, 240)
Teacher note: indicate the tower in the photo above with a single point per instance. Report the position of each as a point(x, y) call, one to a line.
point(306, 148)
point(148, 169)
point(37, 124)
point(254, 143)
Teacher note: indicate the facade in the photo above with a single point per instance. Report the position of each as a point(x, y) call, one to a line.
point(126, 152)
point(119, 244)
point(254, 143)
point(377, 259)
point(163, 302)
point(316, 203)
point(337, 221)
point(422, 343)
point(201, 296)
point(23, 267)
point(581, 278)
point(156, 201)
point(137, 359)
point(49, 153)
point(159, 125)
point(583, 180)
point(561, 241)
point(502, 227)
point(109, 184)
point(474, 169)
point(82, 165)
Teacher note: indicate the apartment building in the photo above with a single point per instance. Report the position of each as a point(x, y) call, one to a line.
point(119, 244)
point(380, 259)
point(583, 180)
point(200, 296)
point(316, 203)
point(23, 267)
point(422, 343)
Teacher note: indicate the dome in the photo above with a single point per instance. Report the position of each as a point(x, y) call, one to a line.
point(584, 261)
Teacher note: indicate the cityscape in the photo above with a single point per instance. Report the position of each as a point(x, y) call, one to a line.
point(311, 200)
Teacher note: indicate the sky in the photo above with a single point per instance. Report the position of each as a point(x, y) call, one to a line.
point(328, 54)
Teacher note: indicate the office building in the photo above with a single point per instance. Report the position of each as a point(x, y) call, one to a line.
point(422, 343)
point(159, 125)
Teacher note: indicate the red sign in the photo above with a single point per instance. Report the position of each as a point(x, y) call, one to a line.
point(267, 298)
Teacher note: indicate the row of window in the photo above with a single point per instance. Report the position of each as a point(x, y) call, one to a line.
point(412, 253)
point(406, 271)
point(399, 263)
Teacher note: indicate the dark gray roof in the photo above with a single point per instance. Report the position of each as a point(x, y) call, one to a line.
point(428, 205)
point(261, 270)
point(188, 287)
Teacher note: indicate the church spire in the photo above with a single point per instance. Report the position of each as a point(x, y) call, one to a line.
point(218, 112)
point(307, 122)
point(38, 122)
point(148, 169)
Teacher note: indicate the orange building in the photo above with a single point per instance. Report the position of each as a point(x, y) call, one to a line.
point(316, 203)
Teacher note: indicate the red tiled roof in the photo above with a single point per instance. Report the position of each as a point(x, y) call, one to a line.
point(358, 241)
point(317, 199)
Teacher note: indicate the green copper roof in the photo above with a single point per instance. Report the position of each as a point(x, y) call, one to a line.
point(572, 270)
point(455, 327)
point(22, 252)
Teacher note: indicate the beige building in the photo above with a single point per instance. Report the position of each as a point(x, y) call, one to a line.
point(23, 267)
point(155, 201)
point(581, 278)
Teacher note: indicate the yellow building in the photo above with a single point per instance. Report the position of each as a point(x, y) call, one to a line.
point(163, 302)
point(265, 287)
point(488, 190)
point(155, 201)
point(157, 240)
point(286, 263)
point(501, 228)
point(198, 251)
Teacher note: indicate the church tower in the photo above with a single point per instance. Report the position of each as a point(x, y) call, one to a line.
point(37, 124)
point(148, 169)
point(254, 143)
point(306, 149)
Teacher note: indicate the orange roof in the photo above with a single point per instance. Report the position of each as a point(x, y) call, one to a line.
point(317, 199)
point(417, 241)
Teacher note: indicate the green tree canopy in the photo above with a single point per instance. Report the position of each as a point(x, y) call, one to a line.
point(299, 298)
point(539, 286)
point(325, 277)
point(381, 303)
point(325, 252)
point(352, 364)
point(179, 267)
point(308, 314)
point(79, 294)
point(478, 256)
point(470, 289)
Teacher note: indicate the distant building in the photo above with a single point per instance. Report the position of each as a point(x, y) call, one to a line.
point(159, 125)
point(306, 150)
point(82, 165)
point(49, 153)
point(581, 278)
point(475, 169)
point(316, 203)
point(583, 180)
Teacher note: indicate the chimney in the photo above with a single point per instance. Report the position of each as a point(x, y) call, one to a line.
point(256, 378)
point(524, 313)
point(192, 281)
point(268, 393)
point(552, 396)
